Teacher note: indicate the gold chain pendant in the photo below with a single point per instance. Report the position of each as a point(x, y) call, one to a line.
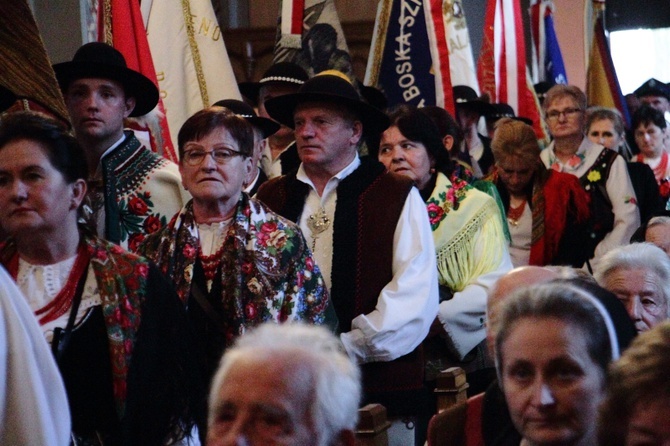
point(317, 223)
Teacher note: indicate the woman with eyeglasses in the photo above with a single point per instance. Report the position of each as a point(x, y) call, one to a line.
point(235, 264)
point(116, 328)
point(602, 172)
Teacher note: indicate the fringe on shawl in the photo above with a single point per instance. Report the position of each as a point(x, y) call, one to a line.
point(460, 260)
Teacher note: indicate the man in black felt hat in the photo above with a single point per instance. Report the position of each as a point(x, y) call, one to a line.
point(279, 155)
point(369, 233)
point(656, 94)
point(498, 111)
point(133, 191)
point(476, 150)
point(263, 128)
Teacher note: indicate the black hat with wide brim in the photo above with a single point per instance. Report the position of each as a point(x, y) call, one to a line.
point(501, 110)
point(333, 89)
point(466, 97)
point(280, 73)
point(653, 87)
point(7, 98)
point(99, 60)
point(243, 110)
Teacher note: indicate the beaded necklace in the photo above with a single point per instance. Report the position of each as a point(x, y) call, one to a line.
point(659, 171)
point(59, 305)
point(514, 214)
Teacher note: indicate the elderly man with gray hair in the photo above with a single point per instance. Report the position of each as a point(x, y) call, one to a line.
point(639, 275)
point(284, 384)
point(657, 232)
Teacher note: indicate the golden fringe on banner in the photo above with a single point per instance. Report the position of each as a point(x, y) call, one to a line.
point(26, 69)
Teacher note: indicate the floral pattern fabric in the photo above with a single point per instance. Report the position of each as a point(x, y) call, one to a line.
point(122, 282)
point(139, 191)
point(461, 216)
point(267, 271)
point(446, 200)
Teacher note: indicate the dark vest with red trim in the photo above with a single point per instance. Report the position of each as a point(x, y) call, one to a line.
point(369, 204)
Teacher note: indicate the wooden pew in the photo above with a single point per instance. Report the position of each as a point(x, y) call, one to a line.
point(451, 390)
point(451, 386)
point(372, 426)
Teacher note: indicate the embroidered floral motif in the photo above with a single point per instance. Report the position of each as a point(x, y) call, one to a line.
point(135, 240)
point(135, 218)
point(573, 163)
point(122, 281)
point(153, 223)
point(594, 176)
point(121, 278)
point(137, 205)
point(267, 272)
point(446, 201)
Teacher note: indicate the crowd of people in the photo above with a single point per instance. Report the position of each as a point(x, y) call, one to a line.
point(311, 253)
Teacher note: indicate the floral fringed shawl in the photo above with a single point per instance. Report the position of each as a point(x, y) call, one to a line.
point(460, 217)
point(122, 282)
point(267, 271)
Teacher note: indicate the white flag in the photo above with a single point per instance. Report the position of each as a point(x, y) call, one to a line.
point(190, 57)
point(461, 62)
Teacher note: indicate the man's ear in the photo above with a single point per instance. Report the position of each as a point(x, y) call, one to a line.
point(357, 130)
point(130, 106)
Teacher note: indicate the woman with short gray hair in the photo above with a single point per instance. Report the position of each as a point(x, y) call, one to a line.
point(639, 275)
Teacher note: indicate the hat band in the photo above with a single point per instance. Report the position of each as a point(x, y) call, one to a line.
point(281, 79)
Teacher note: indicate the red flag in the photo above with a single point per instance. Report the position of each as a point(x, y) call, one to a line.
point(602, 85)
point(501, 68)
point(439, 50)
point(120, 25)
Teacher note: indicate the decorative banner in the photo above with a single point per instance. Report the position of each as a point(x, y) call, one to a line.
point(461, 62)
point(501, 67)
point(602, 85)
point(120, 25)
point(398, 62)
point(190, 57)
point(25, 69)
point(309, 33)
point(547, 58)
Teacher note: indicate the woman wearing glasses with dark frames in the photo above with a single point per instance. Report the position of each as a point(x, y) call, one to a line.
point(235, 264)
point(601, 172)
